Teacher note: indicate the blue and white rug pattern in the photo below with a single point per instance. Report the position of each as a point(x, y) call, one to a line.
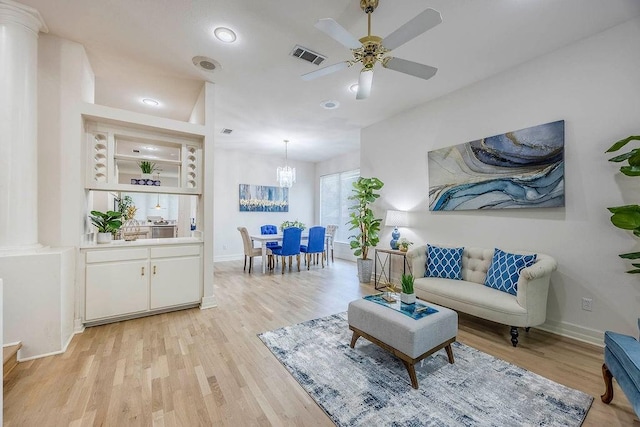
point(367, 386)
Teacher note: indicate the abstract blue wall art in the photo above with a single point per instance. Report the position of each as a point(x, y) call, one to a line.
point(263, 198)
point(519, 169)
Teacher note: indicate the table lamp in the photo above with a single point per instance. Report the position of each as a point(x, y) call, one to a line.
point(396, 219)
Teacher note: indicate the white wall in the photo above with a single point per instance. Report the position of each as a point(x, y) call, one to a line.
point(232, 168)
point(594, 86)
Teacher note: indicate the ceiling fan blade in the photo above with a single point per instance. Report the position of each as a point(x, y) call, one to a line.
point(325, 70)
point(418, 25)
point(364, 84)
point(338, 33)
point(410, 67)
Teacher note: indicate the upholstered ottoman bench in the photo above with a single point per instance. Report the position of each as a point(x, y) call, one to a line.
point(407, 338)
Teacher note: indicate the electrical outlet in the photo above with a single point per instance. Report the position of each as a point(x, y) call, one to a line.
point(587, 304)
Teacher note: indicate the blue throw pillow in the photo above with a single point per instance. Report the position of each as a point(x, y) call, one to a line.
point(505, 269)
point(444, 262)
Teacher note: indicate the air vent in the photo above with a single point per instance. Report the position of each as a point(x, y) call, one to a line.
point(226, 131)
point(307, 55)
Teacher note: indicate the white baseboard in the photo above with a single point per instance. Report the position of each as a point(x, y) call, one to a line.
point(78, 326)
point(38, 356)
point(228, 258)
point(208, 302)
point(576, 332)
point(9, 344)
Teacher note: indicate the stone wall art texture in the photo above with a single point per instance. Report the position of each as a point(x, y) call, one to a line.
point(518, 169)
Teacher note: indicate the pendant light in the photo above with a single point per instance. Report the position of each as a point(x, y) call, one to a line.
point(286, 175)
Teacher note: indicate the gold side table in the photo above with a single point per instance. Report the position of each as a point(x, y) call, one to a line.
point(387, 254)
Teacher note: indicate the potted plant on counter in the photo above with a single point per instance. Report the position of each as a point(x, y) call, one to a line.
point(107, 224)
point(362, 219)
point(407, 296)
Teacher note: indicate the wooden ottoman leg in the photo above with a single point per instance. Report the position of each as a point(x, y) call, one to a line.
point(354, 338)
point(412, 373)
point(449, 353)
point(606, 375)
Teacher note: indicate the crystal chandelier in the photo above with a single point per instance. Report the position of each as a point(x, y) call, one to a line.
point(286, 175)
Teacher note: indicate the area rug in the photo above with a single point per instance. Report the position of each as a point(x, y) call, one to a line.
point(367, 386)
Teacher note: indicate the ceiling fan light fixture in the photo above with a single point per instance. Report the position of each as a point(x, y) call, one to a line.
point(225, 35)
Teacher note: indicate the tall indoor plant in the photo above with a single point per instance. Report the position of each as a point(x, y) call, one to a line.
point(627, 217)
point(362, 219)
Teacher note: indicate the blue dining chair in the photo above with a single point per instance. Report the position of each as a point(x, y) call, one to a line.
point(290, 246)
point(270, 229)
point(315, 245)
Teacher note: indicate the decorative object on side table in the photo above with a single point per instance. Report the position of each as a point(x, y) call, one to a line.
point(107, 224)
point(627, 217)
point(296, 223)
point(407, 296)
point(390, 291)
point(403, 244)
point(363, 220)
point(396, 219)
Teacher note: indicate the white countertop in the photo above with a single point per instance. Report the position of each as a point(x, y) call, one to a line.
point(142, 242)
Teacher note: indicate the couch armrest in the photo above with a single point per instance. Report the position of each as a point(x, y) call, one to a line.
point(418, 259)
point(533, 288)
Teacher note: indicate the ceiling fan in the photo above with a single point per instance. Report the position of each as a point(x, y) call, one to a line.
point(371, 49)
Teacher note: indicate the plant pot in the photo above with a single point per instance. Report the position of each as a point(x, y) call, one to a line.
point(408, 298)
point(105, 237)
point(365, 268)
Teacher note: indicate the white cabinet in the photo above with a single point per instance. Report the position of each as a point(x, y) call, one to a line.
point(128, 282)
point(175, 276)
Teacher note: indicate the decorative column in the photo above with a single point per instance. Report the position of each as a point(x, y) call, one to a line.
point(19, 28)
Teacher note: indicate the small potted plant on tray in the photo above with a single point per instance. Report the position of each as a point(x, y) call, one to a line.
point(107, 223)
point(407, 296)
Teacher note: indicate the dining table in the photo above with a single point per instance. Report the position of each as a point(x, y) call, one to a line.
point(264, 238)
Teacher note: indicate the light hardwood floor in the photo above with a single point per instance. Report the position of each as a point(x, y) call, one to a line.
point(207, 367)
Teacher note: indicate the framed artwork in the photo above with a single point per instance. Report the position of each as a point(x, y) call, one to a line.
point(263, 198)
point(518, 169)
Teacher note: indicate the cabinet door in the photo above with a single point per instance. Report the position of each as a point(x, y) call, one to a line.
point(174, 281)
point(116, 288)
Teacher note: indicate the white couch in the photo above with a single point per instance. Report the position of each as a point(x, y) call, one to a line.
point(525, 309)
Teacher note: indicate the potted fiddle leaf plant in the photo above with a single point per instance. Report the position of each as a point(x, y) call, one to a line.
point(363, 220)
point(627, 217)
point(107, 223)
point(407, 296)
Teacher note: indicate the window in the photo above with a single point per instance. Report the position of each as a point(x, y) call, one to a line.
point(334, 204)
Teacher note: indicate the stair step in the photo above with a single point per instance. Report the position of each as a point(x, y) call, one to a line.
point(10, 358)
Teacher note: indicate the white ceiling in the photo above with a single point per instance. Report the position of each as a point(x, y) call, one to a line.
point(143, 48)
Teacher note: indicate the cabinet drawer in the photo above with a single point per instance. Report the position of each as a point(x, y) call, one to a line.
point(175, 251)
point(116, 255)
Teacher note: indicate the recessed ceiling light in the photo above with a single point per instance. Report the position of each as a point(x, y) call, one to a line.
point(354, 88)
point(329, 104)
point(149, 101)
point(225, 35)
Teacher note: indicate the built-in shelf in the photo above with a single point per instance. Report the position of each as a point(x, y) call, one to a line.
point(115, 149)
